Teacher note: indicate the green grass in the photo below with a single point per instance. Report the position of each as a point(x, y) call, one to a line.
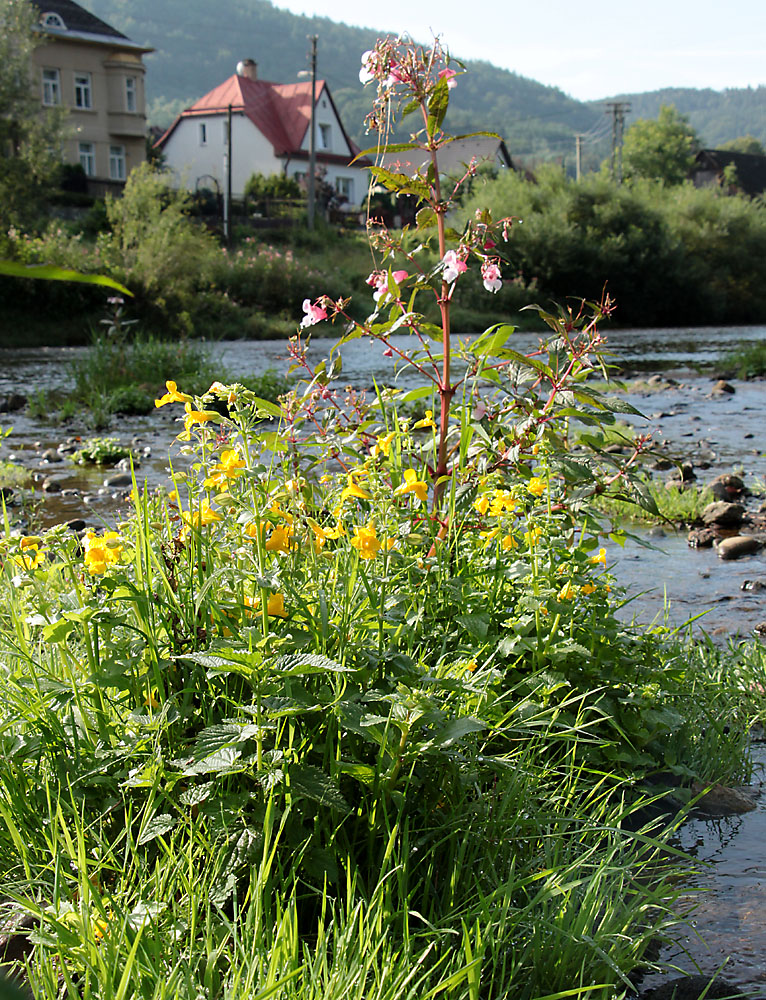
point(748, 361)
point(653, 502)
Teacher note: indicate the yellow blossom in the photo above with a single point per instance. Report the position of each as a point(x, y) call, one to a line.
point(412, 484)
point(489, 536)
point(599, 558)
point(31, 556)
point(101, 551)
point(229, 467)
point(427, 421)
point(352, 490)
point(588, 588)
point(567, 592)
point(532, 536)
point(366, 541)
point(383, 445)
point(172, 396)
point(194, 417)
point(151, 699)
point(275, 606)
point(536, 486)
point(509, 542)
point(503, 502)
point(481, 504)
point(280, 539)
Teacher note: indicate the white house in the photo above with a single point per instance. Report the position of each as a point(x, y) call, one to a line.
point(269, 134)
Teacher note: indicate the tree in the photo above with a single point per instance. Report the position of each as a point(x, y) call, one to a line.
point(744, 144)
point(29, 136)
point(662, 148)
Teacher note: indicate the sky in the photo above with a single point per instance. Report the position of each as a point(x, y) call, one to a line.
point(590, 49)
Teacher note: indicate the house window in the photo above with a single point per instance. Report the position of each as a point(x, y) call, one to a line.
point(202, 134)
point(345, 187)
point(51, 87)
point(117, 169)
point(130, 93)
point(325, 137)
point(87, 155)
point(83, 97)
point(51, 20)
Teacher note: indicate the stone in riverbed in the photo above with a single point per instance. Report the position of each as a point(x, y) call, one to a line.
point(11, 401)
point(738, 546)
point(693, 988)
point(754, 585)
point(122, 480)
point(701, 538)
point(727, 515)
point(722, 388)
point(720, 800)
point(726, 487)
point(51, 455)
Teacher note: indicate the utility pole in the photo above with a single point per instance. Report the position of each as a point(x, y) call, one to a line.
point(227, 167)
point(313, 137)
point(578, 155)
point(618, 110)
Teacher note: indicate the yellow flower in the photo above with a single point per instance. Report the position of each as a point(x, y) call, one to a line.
point(194, 417)
point(101, 551)
point(275, 606)
point(280, 539)
point(600, 558)
point(352, 490)
point(481, 504)
point(532, 535)
point(31, 556)
point(366, 541)
point(198, 518)
point(412, 484)
point(503, 502)
point(489, 536)
point(383, 445)
point(230, 467)
point(509, 542)
point(427, 421)
point(537, 486)
point(588, 588)
point(151, 699)
point(567, 592)
point(172, 395)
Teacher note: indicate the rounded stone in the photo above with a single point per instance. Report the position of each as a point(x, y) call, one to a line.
point(738, 546)
point(728, 515)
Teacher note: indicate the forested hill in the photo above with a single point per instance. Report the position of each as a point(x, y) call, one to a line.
point(716, 115)
point(198, 44)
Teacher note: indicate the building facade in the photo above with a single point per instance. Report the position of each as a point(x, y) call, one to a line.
point(97, 74)
point(270, 134)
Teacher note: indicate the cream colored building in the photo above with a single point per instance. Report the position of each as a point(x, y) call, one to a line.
point(97, 74)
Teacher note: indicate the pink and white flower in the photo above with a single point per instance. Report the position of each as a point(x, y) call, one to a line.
point(379, 281)
point(490, 275)
point(452, 266)
point(369, 65)
point(314, 313)
point(448, 75)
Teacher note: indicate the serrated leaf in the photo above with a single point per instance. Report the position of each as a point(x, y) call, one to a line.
point(142, 912)
point(196, 795)
point(221, 735)
point(392, 147)
point(265, 406)
point(221, 760)
point(222, 889)
point(456, 729)
point(297, 664)
point(476, 625)
point(362, 772)
point(437, 106)
point(158, 826)
point(314, 784)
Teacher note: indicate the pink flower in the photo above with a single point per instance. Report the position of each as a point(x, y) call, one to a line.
point(314, 313)
point(453, 266)
point(379, 281)
point(369, 63)
point(490, 274)
point(448, 75)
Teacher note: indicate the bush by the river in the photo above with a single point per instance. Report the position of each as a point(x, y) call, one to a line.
point(669, 256)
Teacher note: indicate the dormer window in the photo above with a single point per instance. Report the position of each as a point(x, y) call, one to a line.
point(53, 20)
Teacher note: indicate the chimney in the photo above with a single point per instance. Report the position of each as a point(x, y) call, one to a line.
point(248, 68)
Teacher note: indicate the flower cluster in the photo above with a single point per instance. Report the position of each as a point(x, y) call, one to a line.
point(101, 551)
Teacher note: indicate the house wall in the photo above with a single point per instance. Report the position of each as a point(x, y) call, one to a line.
point(192, 160)
point(330, 139)
point(108, 122)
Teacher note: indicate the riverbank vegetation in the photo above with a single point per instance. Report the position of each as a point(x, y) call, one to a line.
point(349, 709)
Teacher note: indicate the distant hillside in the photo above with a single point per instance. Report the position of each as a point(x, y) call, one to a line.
point(198, 44)
point(716, 115)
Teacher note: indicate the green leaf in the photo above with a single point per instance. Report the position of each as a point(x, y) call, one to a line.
point(476, 625)
point(456, 729)
point(425, 218)
point(362, 772)
point(158, 826)
point(392, 147)
point(472, 135)
point(264, 406)
point(314, 784)
point(50, 273)
point(401, 183)
point(492, 341)
point(222, 760)
point(437, 106)
point(57, 631)
point(297, 664)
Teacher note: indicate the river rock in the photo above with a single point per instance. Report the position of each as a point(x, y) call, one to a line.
point(701, 538)
point(738, 546)
point(122, 480)
point(52, 484)
point(720, 800)
point(693, 988)
point(722, 388)
point(682, 474)
point(753, 585)
point(726, 487)
point(51, 455)
point(727, 515)
point(12, 401)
